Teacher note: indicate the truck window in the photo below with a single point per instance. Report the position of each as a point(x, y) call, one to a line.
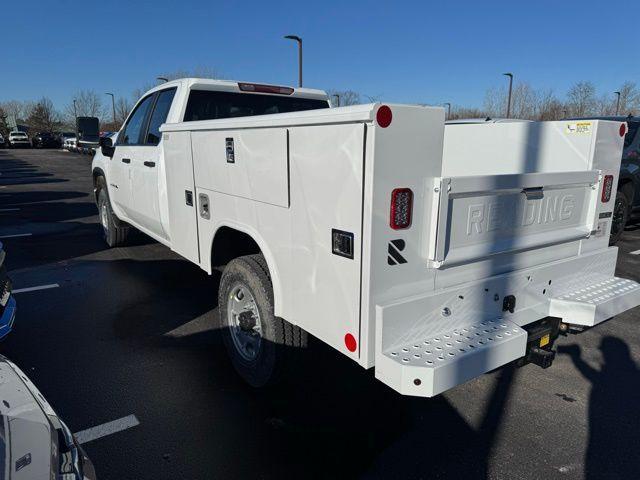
point(210, 105)
point(133, 128)
point(631, 134)
point(159, 115)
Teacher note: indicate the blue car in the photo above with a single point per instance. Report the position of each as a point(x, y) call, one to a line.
point(7, 302)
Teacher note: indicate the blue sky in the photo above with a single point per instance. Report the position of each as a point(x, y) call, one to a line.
point(426, 52)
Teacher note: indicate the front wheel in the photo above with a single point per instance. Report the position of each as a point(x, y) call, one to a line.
point(620, 217)
point(262, 346)
point(113, 230)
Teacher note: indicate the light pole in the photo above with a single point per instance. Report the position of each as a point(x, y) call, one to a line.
point(617, 103)
point(448, 110)
point(75, 110)
point(113, 104)
point(510, 75)
point(337, 99)
point(162, 79)
point(299, 40)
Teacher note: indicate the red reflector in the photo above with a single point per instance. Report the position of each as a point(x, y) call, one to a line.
point(350, 342)
point(401, 206)
point(606, 188)
point(259, 88)
point(384, 116)
point(623, 129)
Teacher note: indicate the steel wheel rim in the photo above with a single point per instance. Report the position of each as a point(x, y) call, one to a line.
point(243, 319)
point(104, 215)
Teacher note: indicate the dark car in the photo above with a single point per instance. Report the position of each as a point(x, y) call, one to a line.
point(627, 206)
point(45, 140)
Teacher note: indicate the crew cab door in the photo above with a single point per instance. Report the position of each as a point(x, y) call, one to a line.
point(146, 167)
point(127, 149)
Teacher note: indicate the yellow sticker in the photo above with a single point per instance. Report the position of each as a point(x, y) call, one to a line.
point(578, 128)
point(544, 340)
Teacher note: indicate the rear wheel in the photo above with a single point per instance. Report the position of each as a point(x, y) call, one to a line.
point(262, 346)
point(620, 216)
point(114, 231)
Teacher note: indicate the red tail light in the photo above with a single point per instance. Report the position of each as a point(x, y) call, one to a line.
point(259, 88)
point(401, 206)
point(623, 129)
point(607, 186)
point(384, 116)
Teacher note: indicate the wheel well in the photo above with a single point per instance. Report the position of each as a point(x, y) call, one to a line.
point(230, 243)
point(97, 172)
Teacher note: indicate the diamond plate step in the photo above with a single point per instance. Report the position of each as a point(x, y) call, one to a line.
point(591, 304)
point(429, 366)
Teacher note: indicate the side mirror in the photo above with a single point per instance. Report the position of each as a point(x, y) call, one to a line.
point(106, 146)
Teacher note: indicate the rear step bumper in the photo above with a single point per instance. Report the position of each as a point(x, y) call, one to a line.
point(429, 366)
point(430, 343)
point(589, 305)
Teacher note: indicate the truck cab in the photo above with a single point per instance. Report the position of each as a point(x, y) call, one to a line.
point(136, 170)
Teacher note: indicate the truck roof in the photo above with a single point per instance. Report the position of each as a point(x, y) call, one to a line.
point(485, 120)
point(235, 86)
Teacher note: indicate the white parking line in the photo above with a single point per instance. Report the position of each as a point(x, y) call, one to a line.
point(33, 289)
point(105, 429)
point(9, 209)
point(636, 252)
point(15, 235)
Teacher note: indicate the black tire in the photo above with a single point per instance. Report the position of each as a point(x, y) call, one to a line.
point(620, 216)
point(279, 342)
point(115, 231)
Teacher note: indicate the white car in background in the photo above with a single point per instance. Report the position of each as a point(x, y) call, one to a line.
point(70, 144)
point(19, 139)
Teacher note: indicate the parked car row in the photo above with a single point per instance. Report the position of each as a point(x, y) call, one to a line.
point(37, 140)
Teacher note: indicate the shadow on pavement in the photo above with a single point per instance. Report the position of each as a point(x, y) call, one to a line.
point(330, 417)
point(614, 411)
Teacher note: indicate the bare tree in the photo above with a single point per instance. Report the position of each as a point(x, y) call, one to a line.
point(495, 102)
point(87, 104)
point(347, 97)
point(4, 128)
point(524, 101)
point(123, 107)
point(527, 103)
point(197, 72)
point(581, 99)
point(548, 106)
point(43, 117)
point(605, 105)
point(458, 112)
point(629, 99)
point(15, 109)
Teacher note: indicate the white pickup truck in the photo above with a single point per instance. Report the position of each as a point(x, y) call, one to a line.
point(432, 254)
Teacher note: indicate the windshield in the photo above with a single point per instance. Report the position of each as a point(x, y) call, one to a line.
point(209, 105)
point(18, 134)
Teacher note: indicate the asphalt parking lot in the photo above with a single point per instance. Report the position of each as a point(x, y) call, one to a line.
point(125, 336)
